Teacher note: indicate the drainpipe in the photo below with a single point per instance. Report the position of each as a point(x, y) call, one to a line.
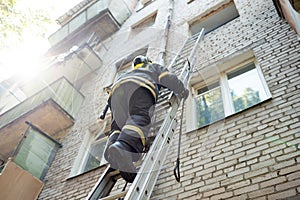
point(161, 55)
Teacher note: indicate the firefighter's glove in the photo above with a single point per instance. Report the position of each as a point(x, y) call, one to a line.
point(184, 94)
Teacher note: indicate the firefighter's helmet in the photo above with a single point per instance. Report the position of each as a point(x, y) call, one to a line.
point(139, 61)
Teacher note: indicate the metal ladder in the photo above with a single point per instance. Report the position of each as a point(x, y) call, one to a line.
point(147, 175)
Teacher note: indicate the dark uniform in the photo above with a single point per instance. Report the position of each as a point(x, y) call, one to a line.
point(132, 101)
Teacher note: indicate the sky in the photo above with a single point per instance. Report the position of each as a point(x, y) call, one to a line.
point(25, 59)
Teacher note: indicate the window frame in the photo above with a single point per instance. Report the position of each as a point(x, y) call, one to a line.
point(228, 105)
point(211, 86)
point(78, 166)
point(212, 17)
point(189, 1)
point(83, 169)
point(147, 21)
point(143, 3)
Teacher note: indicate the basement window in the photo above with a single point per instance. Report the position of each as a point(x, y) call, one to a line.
point(231, 90)
point(215, 19)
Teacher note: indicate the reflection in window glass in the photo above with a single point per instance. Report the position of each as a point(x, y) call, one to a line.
point(95, 155)
point(246, 88)
point(209, 105)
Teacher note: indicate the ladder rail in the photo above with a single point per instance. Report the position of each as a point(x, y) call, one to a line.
point(189, 63)
point(177, 55)
point(147, 175)
point(144, 183)
point(103, 186)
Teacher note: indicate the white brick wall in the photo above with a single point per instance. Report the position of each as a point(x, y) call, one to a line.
point(250, 155)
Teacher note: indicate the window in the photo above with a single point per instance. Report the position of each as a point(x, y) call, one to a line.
point(215, 19)
point(93, 147)
point(233, 90)
point(189, 1)
point(94, 156)
point(90, 153)
point(246, 88)
point(148, 21)
point(10, 95)
point(125, 67)
point(143, 3)
point(209, 104)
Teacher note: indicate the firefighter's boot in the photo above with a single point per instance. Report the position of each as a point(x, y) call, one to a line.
point(112, 139)
point(121, 154)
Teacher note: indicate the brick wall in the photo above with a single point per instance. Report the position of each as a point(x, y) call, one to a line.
point(250, 155)
point(253, 154)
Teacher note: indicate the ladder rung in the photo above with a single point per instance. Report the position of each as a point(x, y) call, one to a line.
point(114, 173)
point(115, 196)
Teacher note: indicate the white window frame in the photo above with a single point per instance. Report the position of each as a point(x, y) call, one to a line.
point(203, 85)
point(81, 159)
point(85, 158)
point(226, 97)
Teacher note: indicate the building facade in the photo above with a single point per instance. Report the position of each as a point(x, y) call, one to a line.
point(241, 120)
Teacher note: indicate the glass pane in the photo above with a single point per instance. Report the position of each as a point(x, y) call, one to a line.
point(245, 87)
point(95, 155)
point(36, 154)
point(209, 106)
point(216, 20)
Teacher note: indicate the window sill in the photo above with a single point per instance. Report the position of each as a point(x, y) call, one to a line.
point(229, 116)
point(144, 6)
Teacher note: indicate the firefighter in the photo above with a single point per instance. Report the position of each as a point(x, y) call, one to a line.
point(132, 100)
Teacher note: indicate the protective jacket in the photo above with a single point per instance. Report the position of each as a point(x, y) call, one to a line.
point(151, 77)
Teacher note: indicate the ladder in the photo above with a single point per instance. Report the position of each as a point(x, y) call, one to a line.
point(148, 173)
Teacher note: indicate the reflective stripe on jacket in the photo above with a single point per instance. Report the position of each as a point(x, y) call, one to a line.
point(151, 77)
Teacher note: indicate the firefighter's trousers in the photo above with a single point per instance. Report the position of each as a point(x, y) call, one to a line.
point(132, 108)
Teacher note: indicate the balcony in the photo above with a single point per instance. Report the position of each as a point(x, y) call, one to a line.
point(75, 65)
point(16, 183)
point(103, 17)
point(23, 173)
point(52, 110)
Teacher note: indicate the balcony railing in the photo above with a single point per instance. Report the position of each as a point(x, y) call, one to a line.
point(61, 91)
point(52, 109)
point(103, 17)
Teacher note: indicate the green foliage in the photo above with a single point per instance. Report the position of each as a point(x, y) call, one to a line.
point(16, 22)
point(249, 98)
point(209, 107)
